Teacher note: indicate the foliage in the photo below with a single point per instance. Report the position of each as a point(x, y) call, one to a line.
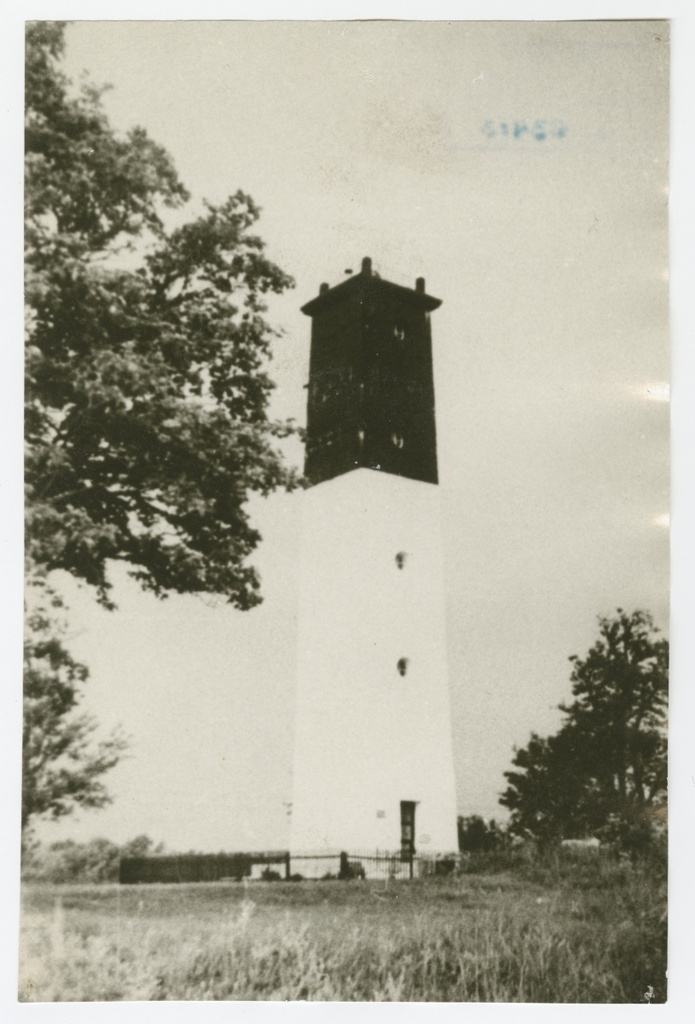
point(639, 831)
point(475, 835)
point(550, 796)
point(146, 422)
point(608, 761)
point(62, 767)
point(619, 710)
point(95, 861)
point(480, 938)
point(146, 389)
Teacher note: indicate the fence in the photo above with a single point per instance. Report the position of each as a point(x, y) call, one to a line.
point(380, 865)
point(198, 867)
point(373, 864)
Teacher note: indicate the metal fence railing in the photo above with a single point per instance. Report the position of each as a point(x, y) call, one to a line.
point(282, 865)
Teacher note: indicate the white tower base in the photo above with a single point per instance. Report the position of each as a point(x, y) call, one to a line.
point(368, 738)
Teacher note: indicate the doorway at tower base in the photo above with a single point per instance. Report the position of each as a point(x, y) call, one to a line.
point(371, 865)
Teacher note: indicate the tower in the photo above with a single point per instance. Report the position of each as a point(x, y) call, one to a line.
point(373, 764)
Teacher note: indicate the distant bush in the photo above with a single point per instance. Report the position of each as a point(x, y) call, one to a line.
point(475, 835)
point(639, 833)
point(96, 861)
point(445, 866)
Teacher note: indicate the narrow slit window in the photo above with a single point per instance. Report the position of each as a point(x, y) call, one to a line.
point(402, 666)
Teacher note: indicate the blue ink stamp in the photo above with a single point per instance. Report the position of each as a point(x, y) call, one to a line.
point(538, 130)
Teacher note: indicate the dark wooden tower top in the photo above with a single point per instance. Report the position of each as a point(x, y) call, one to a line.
point(371, 389)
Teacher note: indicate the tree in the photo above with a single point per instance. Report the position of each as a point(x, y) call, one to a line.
point(147, 421)
point(550, 795)
point(475, 835)
point(62, 767)
point(94, 861)
point(608, 761)
point(620, 708)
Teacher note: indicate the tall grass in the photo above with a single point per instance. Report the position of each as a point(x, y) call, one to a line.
point(510, 937)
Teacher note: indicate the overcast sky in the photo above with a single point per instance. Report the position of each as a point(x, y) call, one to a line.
point(550, 350)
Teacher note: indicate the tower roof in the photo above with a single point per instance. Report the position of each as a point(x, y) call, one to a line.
point(367, 281)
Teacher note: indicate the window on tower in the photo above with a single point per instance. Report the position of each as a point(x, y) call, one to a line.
point(402, 666)
point(397, 440)
point(400, 559)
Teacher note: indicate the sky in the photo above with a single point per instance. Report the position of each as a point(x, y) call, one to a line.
point(551, 361)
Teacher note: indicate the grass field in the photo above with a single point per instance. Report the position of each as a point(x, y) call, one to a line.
point(582, 933)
